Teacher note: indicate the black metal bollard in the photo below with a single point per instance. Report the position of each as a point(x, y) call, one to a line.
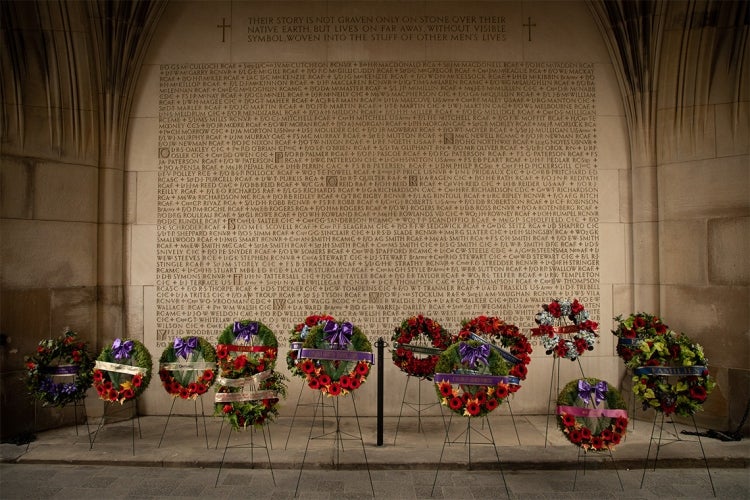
point(381, 369)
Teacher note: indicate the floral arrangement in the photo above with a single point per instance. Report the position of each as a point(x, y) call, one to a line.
point(187, 367)
point(470, 378)
point(508, 336)
point(65, 358)
point(632, 330)
point(430, 339)
point(592, 414)
point(340, 358)
point(657, 359)
point(297, 336)
point(246, 348)
point(248, 390)
point(122, 371)
point(253, 404)
point(554, 329)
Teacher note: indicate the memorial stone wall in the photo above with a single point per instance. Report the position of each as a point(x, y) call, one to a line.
point(374, 191)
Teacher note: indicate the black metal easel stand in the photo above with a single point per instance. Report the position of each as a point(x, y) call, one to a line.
point(670, 441)
point(584, 454)
point(76, 403)
point(552, 402)
point(465, 437)
point(417, 406)
point(195, 411)
point(122, 409)
point(338, 436)
point(319, 402)
point(252, 446)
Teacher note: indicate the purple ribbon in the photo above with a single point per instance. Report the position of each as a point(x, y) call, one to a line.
point(183, 348)
point(599, 390)
point(122, 349)
point(473, 355)
point(245, 332)
point(338, 334)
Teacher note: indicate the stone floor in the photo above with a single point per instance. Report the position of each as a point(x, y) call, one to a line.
point(194, 457)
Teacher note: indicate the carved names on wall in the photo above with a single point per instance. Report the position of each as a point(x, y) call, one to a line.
point(374, 191)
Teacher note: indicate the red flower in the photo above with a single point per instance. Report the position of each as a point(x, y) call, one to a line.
point(200, 388)
point(606, 435)
point(639, 322)
point(240, 362)
point(568, 420)
point(184, 393)
point(455, 403)
point(307, 366)
point(363, 368)
point(112, 395)
point(446, 389)
point(621, 424)
point(481, 397)
point(193, 387)
point(491, 404)
point(208, 375)
point(575, 436)
point(227, 408)
point(324, 380)
point(222, 351)
point(313, 383)
point(98, 377)
point(519, 371)
point(355, 383)
point(698, 393)
point(334, 389)
point(585, 433)
point(554, 309)
point(597, 443)
point(473, 407)
point(345, 381)
point(137, 380)
point(616, 437)
point(501, 391)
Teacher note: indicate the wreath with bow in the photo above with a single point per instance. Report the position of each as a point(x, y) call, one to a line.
point(472, 379)
point(336, 358)
point(187, 367)
point(248, 390)
point(59, 372)
point(592, 414)
point(506, 338)
point(122, 371)
point(297, 337)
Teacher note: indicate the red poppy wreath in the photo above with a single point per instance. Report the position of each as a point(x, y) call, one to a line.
point(187, 367)
point(506, 338)
point(336, 358)
point(472, 379)
point(418, 343)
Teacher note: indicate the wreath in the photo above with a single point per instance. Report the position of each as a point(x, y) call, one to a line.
point(554, 329)
point(60, 371)
point(297, 337)
point(495, 330)
point(254, 402)
point(248, 390)
point(632, 330)
point(418, 343)
point(335, 358)
point(122, 371)
point(187, 367)
point(592, 414)
point(657, 359)
point(471, 378)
